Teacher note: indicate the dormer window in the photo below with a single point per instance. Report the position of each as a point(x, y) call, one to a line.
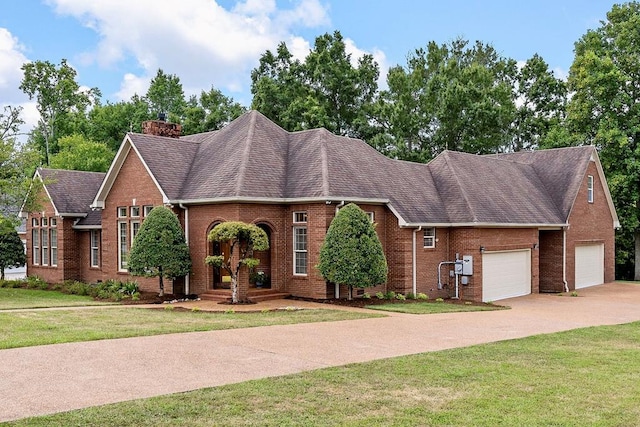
point(590, 188)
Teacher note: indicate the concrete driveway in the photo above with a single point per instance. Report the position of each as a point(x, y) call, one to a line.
point(54, 378)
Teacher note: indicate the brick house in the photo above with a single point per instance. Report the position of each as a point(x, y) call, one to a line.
point(482, 228)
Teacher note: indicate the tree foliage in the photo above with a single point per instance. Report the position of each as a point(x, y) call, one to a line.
point(11, 251)
point(78, 153)
point(243, 239)
point(58, 97)
point(352, 254)
point(327, 90)
point(165, 95)
point(605, 111)
point(210, 111)
point(159, 249)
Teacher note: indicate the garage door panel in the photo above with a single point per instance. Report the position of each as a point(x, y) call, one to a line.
point(506, 274)
point(589, 265)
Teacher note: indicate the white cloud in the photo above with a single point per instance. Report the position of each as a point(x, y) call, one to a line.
point(131, 85)
point(198, 40)
point(378, 56)
point(11, 60)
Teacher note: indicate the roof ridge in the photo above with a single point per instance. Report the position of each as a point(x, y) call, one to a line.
point(242, 170)
point(324, 159)
point(460, 186)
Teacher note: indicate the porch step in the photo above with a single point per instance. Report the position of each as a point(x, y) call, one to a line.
point(255, 295)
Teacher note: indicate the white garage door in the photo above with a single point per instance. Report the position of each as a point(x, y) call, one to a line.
point(506, 274)
point(589, 265)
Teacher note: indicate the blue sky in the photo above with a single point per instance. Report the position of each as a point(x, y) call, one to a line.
point(118, 45)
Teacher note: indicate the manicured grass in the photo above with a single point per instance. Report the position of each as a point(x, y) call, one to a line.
point(13, 298)
point(586, 377)
point(29, 328)
point(433, 307)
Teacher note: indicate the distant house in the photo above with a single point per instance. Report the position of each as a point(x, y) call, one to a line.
point(518, 223)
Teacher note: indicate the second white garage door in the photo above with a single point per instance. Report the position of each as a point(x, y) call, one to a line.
point(589, 265)
point(506, 274)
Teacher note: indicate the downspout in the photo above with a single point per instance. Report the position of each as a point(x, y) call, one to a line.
point(336, 291)
point(414, 279)
point(564, 259)
point(186, 238)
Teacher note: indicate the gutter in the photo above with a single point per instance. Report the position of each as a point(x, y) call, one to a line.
point(414, 278)
point(186, 238)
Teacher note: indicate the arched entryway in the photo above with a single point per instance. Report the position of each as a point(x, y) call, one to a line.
point(264, 268)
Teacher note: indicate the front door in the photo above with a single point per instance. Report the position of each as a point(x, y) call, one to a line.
point(221, 277)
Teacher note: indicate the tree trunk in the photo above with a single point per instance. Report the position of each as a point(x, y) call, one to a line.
point(161, 294)
point(636, 275)
point(1, 273)
point(234, 288)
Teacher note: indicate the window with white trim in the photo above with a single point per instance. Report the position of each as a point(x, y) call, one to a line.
point(135, 211)
point(371, 216)
point(429, 237)
point(34, 222)
point(54, 243)
point(95, 248)
point(135, 227)
point(147, 209)
point(300, 243)
point(35, 245)
point(45, 221)
point(123, 247)
point(122, 212)
point(44, 240)
point(590, 188)
point(53, 222)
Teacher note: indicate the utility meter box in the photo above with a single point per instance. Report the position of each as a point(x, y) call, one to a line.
point(467, 265)
point(457, 267)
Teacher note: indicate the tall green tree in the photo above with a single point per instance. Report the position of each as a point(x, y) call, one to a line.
point(110, 122)
point(453, 96)
point(78, 153)
point(605, 111)
point(243, 239)
point(165, 95)
point(159, 249)
point(210, 111)
point(326, 90)
point(58, 99)
point(11, 251)
point(352, 254)
point(542, 100)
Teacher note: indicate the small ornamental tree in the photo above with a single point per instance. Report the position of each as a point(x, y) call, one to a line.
point(242, 238)
point(159, 248)
point(352, 253)
point(11, 252)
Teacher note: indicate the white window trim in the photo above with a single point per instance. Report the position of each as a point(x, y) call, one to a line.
point(295, 215)
point(590, 188)
point(134, 214)
point(35, 246)
point(371, 216)
point(298, 251)
point(134, 231)
point(44, 246)
point(432, 237)
point(52, 247)
point(122, 211)
point(146, 209)
point(95, 248)
point(123, 249)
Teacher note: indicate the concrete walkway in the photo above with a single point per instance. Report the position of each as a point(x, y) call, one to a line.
point(53, 378)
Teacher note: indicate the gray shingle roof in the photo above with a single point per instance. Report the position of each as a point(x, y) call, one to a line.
point(71, 191)
point(254, 159)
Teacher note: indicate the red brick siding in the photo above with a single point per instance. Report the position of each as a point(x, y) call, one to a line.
point(591, 223)
point(132, 182)
point(551, 261)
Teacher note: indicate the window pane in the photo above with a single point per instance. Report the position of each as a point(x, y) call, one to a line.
point(54, 246)
point(123, 245)
point(135, 211)
point(301, 263)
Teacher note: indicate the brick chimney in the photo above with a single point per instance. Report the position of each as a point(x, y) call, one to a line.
point(161, 128)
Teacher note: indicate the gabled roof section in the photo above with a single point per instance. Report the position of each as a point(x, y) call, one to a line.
point(485, 190)
point(71, 192)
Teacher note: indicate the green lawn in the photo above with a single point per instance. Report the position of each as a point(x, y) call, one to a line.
point(13, 298)
point(586, 377)
point(37, 327)
point(433, 307)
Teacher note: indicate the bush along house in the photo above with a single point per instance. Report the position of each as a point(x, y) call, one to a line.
point(481, 228)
